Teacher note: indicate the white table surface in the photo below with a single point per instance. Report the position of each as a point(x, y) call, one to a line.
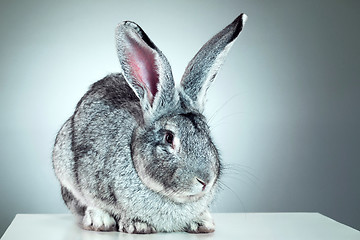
point(241, 226)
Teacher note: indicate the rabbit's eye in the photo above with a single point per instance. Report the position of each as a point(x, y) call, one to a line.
point(169, 137)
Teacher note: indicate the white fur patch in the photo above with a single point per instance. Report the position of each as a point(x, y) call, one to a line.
point(244, 18)
point(98, 220)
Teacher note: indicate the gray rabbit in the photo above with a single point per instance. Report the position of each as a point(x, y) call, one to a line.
point(137, 156)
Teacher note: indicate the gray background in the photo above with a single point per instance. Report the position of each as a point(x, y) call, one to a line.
point(285, 105)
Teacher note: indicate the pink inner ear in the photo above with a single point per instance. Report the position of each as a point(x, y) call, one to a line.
point(143, 67)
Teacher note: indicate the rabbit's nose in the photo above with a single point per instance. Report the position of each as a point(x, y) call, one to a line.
point(203, 183)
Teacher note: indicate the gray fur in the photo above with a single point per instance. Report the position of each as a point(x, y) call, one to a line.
point(203, 68)
point(140, 159)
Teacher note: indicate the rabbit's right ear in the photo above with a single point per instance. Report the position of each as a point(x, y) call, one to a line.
point(204, 67)
point(145, 68)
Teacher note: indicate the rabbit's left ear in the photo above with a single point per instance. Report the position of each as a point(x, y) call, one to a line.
point(203, 68)
point(145, 68)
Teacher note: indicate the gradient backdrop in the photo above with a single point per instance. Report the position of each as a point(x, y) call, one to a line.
point(284, 109)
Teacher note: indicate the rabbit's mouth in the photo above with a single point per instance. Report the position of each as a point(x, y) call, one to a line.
point(185, 198)
point(198, 189)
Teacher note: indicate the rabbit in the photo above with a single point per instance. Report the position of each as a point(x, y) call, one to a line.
point(137, 155)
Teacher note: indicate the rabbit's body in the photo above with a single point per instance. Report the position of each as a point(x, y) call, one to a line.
point(137, 155)
point(112, 184)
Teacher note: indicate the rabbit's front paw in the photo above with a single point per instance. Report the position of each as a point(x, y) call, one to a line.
point(205, 225)
point(135, 227)
point(98, 220)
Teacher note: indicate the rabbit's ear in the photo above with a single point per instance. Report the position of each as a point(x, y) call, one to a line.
point(145, 68)
point(203, 68)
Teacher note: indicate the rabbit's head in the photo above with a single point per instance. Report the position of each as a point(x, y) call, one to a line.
point(172, 149)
